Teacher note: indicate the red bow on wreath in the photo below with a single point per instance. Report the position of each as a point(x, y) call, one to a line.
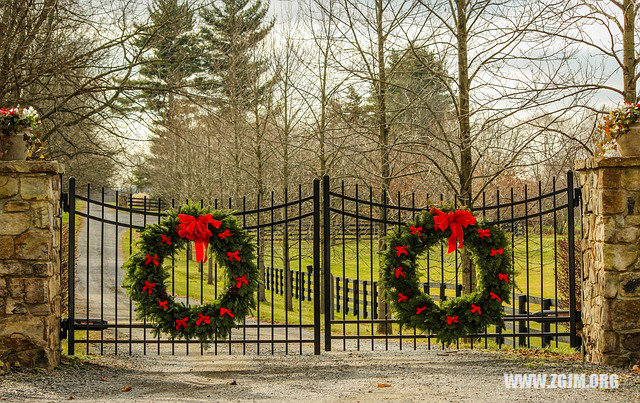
point(203, 318)
point(234, 255)
point(476, 309)
point(497, 251)
point(165, 239)
point(182, 322)
point(152, 259)
point(242, 280)
point(224, 311)
point(455, 220)
point(452, 319)
point(148, 287)
point(504, 277)
point(197, 230)
point(224, 234)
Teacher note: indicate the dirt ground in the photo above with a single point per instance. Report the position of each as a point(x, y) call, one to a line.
point(336, 376)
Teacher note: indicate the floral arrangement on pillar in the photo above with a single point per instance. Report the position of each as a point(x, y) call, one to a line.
point(19, 134)
point(620, 130)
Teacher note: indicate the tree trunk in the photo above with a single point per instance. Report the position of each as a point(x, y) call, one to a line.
point(385, 163)
point(465, 196)
point(629, 58)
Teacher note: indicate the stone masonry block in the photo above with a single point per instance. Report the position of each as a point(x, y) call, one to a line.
point(8, 186)
point(14, 223)
point(34, 245)
point(35, 187)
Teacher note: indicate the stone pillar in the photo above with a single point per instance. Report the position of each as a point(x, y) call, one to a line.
point(29, 264)
point(610, 251)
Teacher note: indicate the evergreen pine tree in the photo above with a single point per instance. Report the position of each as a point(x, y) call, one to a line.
point(232, 33)
point(168, 77)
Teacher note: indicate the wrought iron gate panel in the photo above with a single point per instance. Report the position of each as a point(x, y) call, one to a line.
point(101, 316)
point(353, 228)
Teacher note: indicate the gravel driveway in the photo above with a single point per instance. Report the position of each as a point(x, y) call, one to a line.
point(411, 375)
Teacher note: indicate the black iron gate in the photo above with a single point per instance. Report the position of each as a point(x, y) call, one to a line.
point(318, 254)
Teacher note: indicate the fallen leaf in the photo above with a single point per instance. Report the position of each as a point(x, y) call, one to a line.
point(127, 388)
point(384, 385)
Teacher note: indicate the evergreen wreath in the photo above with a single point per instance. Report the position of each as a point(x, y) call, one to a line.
point(462, 316)
point(233, 248)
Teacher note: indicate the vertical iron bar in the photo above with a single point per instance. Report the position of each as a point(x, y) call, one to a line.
point(288, 291)
point(173, 281)
point(572, 261)
point(144, 330)
point(130, 253)
point(116, 278)
point(72, 267)
point(316, 273)
point(300, 272)
point(345, 294)
point(374, 285)
point(102, 269)
point(326, 260)
point(259, 253)
point(526, 242)
point(159, 216)
point(544, 328)
point(555, 256)
point(244, 320)
point(88, 253)
point(357, 300)
point(399, 224)
point(273, 289)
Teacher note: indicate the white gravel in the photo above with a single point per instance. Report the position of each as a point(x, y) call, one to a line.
point(336, 376)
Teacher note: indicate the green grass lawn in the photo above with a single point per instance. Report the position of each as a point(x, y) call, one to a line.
point(356, 260)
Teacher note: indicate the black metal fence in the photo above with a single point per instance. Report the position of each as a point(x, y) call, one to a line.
point(534, 223)
point(302, 299)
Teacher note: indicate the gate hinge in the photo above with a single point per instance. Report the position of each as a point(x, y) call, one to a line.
point(64, 201)
point(64, 328)
point(577, 197)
